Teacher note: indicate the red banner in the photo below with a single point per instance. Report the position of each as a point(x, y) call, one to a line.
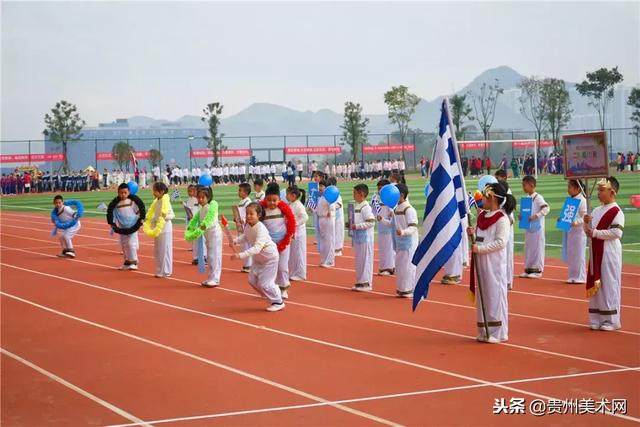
point(393, 148)
point(243, 152)
point(544, 143)
point(26, 158)
point(472, 145)
point(108, 155)
point(313, 150)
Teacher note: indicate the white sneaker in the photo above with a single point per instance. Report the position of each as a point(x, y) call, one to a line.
point(362, 288)
point(284, 293)
point(123, 267)
point(133, 267)
point(296, 278)
point(607, 327)
point(338, 253)
point(535, 275)
point(594, 327)
point(276, 306)
point(493, 340)
point(524, 275)
point(71, 254)
point(325, 266)
point(209, 284)
point(384, 273)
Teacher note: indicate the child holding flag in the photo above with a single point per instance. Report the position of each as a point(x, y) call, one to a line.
point(406, 242)
point(205, 225)
point(534, 238)
point(244, 190)
point(605, 226)
point(326, 213)
point(362, 239)
point(575, 238)
point(298, 255)
point(492, 235)
point(386, 229)
point(279, 220)
point(265, 257)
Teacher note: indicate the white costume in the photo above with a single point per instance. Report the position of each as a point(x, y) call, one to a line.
point(534, 241)
point(65, 236)
point(242, 210)
point(406, 219)
point(264, 267)
point(576, 244)
point(339, 230)
point(362, 241)
point(386, 244)
point(276, 223)
point(259, 196)
point(491, 269)
point(126, 215)
point(163, 244)
point(326, 224)
point(604, 306)
point(213, 242)
point(192, 205)
point(298, 256)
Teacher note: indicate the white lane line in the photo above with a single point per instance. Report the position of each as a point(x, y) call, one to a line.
point(228, 368)
point(379, 397)
point(314, 340)
point(82, 392)
point(433, 301)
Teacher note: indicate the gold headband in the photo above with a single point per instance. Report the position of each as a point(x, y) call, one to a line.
point(605, 183)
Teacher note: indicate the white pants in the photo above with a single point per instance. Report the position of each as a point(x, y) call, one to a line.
point(494, 295)
point(327, 241)
point(405, 270)
point(298, 254)
point(534, 250)
point(129, 244)
point(339, 231)
point(65, 236)
point(576, 244)
point(262, 279)
point(282, 277)
point(163, 251)
point(605, 305)
point(453, 267)
point(364, 262)
point(510, 260)
point(386, 253)
point(213, 243)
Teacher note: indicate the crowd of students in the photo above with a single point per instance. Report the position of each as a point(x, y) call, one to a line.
point(270, 240)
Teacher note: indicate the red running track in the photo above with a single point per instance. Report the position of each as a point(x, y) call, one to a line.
point(84, 343)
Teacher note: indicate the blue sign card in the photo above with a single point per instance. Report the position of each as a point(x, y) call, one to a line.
point(568, 214)
point(526, 203)
point(313, 193)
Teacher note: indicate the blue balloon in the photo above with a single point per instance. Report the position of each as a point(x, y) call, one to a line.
point(486, 180)
point(205, 180)
point(426, 189)
point(331, 193)
point(133, 187)
point(390, 195)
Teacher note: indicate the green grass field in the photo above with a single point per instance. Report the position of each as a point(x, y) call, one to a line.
point(553, 188)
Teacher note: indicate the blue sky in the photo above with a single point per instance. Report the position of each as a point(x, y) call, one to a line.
point(167, 59)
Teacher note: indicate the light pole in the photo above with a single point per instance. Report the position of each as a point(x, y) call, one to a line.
point(190, 138)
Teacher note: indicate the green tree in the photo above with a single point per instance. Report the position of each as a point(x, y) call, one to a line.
point(354, 128)
point(155, 157)
point(121, 152)
point(555, 97)
point(484, 105)
point(401, 104)
point(211, 117)
point(598, 88)
point(532, 105)
point(63, 126)
point(460, 111)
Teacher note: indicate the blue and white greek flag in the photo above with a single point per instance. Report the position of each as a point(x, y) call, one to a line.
point(375, 203)
point(175, 195)
point(445, 208)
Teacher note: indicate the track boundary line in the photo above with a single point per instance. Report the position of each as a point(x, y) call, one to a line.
point(270, 382)
point(137, 421)
point(205, 360)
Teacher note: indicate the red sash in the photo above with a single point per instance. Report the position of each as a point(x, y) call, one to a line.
point(290, 219)
point(484, 222)
point(597, 249)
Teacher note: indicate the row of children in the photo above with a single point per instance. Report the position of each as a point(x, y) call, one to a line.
point(272, 239)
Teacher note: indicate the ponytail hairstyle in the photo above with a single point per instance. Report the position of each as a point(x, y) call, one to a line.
point(299, 193)
point(506, 201)
point(576, 183)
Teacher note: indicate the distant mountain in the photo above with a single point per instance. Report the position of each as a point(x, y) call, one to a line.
point(266, 119)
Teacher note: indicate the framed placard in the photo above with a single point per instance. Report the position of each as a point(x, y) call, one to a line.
point(585, 155)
